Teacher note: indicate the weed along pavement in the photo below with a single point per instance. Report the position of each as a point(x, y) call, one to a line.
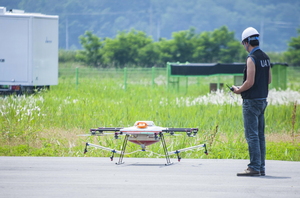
point(143, 177)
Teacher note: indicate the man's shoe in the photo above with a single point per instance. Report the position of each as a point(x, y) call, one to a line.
point(262, 173)
point(249, 172)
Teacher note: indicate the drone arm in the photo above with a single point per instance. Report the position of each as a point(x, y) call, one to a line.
point(99, 131)
point(191, 132)
point(180, 130)
point(106, 129)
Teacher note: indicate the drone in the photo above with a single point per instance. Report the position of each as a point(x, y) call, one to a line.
point(143, 133)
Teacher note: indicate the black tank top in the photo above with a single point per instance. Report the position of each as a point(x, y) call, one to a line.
point(260, 88)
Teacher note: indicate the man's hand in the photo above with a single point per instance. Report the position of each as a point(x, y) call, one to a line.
point(236, 89)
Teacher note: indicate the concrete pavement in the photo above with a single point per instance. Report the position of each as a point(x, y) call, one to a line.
point(143, 177)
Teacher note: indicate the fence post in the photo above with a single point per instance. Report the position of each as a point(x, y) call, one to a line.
point(168, 74)
point(218, 85)
point(77, 77)
point(125, 78)
point(153, 76)
point(186, 84)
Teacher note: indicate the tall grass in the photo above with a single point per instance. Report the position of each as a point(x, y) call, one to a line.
point(47, 123)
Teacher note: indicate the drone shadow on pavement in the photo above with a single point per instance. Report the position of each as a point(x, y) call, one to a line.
point(273, 177)
point(158, 165)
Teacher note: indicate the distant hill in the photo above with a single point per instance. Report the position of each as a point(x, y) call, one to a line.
point(276, 20)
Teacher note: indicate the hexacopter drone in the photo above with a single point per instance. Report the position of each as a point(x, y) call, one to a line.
point(143, 133)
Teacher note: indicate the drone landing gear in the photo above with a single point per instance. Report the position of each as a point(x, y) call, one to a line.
point(178, 157)
point(161, 135)
point(163, 142)
point(123, 150)
point(122, 153)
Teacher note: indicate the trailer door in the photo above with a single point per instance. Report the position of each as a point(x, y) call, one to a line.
point(14, 50)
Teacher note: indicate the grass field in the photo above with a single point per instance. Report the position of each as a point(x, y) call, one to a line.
point(47, 123)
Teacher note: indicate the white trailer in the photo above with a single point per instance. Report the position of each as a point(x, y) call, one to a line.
point(28, 50)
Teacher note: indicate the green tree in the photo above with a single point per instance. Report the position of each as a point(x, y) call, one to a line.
point(184, 45)
point(92, 53)
point(124, 49)
point(228, 49)
point(204, 48)
point(149, 55)
point(219, 46)
point(166, 50)
point(180, 48)
point(293, 53)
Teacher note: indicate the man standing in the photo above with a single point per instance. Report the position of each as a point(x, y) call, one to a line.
point(254, 91)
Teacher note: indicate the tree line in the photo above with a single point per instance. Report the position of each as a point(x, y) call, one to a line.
point(135, 48)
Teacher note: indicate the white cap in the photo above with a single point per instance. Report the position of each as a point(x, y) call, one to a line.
point(250, 31)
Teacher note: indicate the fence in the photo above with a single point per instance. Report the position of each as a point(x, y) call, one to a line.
point(145, 76)
point(282, 77)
